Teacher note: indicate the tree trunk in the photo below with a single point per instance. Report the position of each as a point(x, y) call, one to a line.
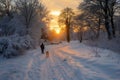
point(107, 28)
point(80, 37)
point(98, 30)
point(68, 30)
point(68, 34)
point(113, 27)
point(107, 19)
point(27, 30)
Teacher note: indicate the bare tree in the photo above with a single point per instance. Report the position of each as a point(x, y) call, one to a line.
point(113, 6)
point(90, 17)
point(28, 9)
point(107, 9)
point(66, 19)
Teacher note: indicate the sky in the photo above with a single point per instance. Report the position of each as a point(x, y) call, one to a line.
point(60, 4)
point(55, 7)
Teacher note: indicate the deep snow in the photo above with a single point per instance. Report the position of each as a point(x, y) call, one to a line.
point(72, 61)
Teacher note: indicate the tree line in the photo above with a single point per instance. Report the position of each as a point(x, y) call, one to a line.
point(20, 25)
point(95, 14)
point(29, 13)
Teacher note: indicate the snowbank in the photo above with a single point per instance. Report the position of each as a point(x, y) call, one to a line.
point(102, 42)
point(15, 45)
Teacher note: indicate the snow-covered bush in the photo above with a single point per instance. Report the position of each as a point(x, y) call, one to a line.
point(22, 42)
point(6, 30)
point(11, 52)
point(15, 45)
point(3, 45)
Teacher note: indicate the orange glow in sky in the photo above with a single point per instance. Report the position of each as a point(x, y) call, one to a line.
point(54, 22)
point(61, 4)
point(55, 7)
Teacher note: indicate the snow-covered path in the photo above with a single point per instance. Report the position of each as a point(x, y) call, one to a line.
point(72, 61)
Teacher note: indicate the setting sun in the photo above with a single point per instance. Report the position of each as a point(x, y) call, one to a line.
point(54, 24)
point(55, 13)
point(57, 30)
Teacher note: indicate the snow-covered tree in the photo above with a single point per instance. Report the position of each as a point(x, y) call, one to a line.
point(28, 10)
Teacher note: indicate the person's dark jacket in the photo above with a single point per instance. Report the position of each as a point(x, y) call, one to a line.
point(42, 46)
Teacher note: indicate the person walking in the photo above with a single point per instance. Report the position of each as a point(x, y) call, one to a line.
point(42, 46)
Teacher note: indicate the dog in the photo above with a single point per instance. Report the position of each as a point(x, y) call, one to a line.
point(47, 54)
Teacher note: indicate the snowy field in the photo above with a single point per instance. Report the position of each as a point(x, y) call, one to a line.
point(72, 61)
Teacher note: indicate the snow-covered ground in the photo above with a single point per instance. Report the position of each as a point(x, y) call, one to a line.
point(72, 61)
point(103, 42)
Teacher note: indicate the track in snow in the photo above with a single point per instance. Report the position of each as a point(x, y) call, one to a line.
point(64, 63)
